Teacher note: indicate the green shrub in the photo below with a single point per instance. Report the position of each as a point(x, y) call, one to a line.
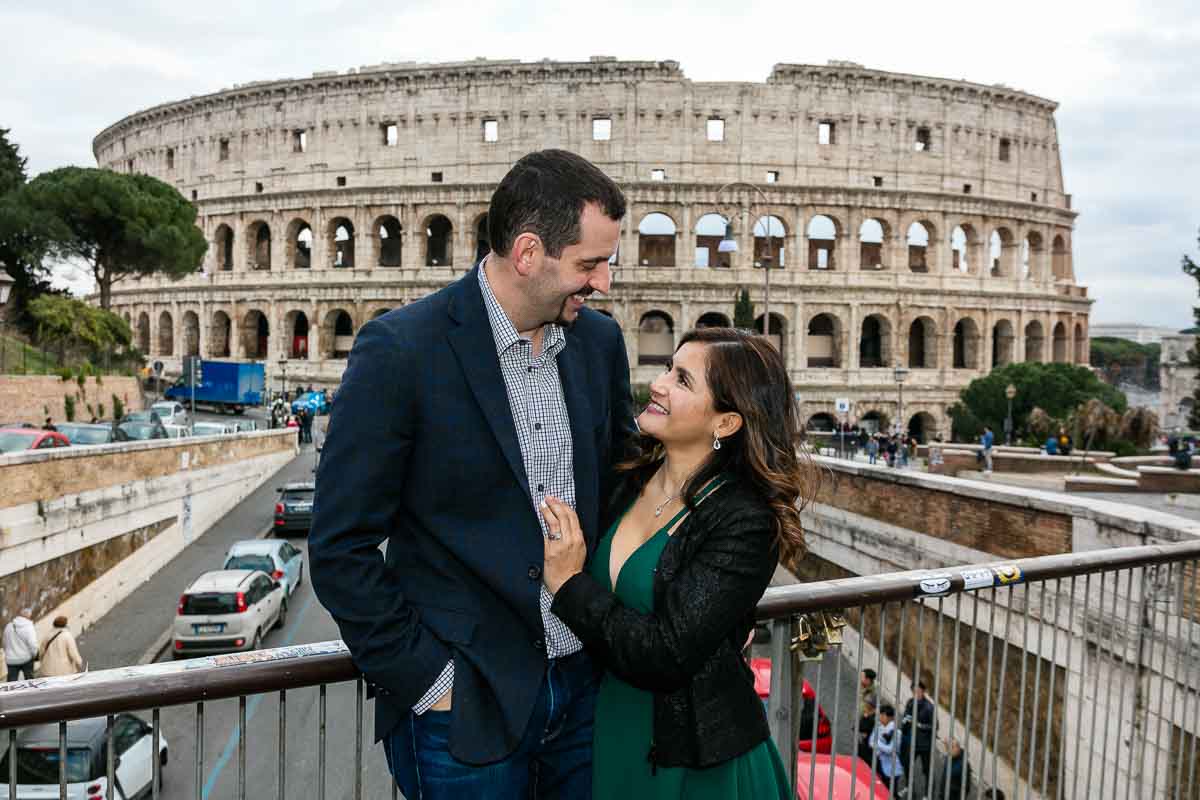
point(118, 408)
point(69, 407)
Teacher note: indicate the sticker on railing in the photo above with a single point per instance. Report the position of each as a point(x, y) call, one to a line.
point(1008, 574)
point(935, 585)
point(981, 578)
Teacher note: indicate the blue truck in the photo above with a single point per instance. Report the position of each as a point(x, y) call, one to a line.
point(224, 386)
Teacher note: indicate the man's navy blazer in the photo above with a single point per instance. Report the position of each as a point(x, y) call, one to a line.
point(422, 453)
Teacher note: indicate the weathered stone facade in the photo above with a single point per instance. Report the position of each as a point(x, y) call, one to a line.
point(917, 222)
point(1178, 377)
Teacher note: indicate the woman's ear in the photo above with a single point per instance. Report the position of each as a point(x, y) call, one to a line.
point(728, 424)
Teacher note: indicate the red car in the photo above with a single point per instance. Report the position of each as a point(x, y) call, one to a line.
point(14, 440)
point(847, 771)
point(824, 741)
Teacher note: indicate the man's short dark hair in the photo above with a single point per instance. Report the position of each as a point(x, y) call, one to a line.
point(919, 685)
point(887, 709)
point(544, 193)
point(870, 673)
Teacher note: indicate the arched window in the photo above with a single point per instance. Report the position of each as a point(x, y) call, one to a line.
point(656, 241)
point(483, 244)
point(296, 323)
point(219, 335)
point(713, 319)
point(966, 344)
point(963, 244)
point(1060, 256)
point(1061, 349)
point(1034, 340)
point(918, 246)
point(166, 335)
point(224, 249)
point(823, 348)
point(143, 333)
point(871, 236)
point(256, 335)
point(1003, 343)
point(822, 243)
point(191, 333)
point(343, 243)
point(1003, 253)
point(710, 230)
point(922, 344)
point(1033, 253)
point(769, 236)
point(656, 338)
point(300, 244)
point(874, 343)
point(439, 247)
point(389, 232)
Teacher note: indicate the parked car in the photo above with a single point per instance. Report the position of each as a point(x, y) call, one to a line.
point(170, 412)
point(228, 611)
point(177, 431)
point(211, 429)
point(136, 431)
point(276, 557)
point(848, 771)
point(824, 738)
point(316, 402)
point(87, 758)
point(293, 512)
point(87, 432)
point(149, 415)
point(13, 440)
point(17, 425)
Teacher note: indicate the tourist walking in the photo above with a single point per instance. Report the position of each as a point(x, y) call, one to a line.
point(20, 645)
point(60, 655)
point(885, 741)
point(917, 728)
point(986, 441)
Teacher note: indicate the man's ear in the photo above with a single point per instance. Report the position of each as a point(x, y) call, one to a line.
point(526, 253)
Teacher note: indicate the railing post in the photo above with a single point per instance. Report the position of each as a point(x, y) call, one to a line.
point(781, 717)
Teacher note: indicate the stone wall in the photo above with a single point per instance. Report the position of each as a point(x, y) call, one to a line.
point(32, 398)
point(80, 528)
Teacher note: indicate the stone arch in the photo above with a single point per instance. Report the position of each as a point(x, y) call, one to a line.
point(166, 334)
point(1004, 342)
point(1035, 337)
point(922, 426)
point(822, 422)
point(710, 230)
point(873, 235)
point(875, 342)
point(143, 333)
point(656, 240)
point(823, 232)
point(379, 312)
point(483, 242)
point(1003, 253)
point(656, 337)
point(713, 319)
point(966, 344)
point(778, 332)
point(1033, 255)
point(223, 241)
point(256, 335)
point(922, 343)
point(1060, 258)
point(439, 241)
point(295, 323)
point(823, 344)
point(388, 240)
point(770, 234)
point(921, 235)
point(339, 239)
point(964, 244)
point(1061, 349)
point(219, 335)
point(299, 248)
point(191, 333)
point(1081, 345)
point(258, 245)
point(337, 334)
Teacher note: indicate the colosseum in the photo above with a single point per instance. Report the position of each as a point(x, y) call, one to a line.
point(902, 234)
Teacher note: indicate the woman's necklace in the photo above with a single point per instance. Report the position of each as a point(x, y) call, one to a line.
point(659, 508)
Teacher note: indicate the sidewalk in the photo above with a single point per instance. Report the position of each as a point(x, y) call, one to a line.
point(133, 626)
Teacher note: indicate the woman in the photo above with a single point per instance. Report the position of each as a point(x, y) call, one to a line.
point(60, 656)
point(667, 603)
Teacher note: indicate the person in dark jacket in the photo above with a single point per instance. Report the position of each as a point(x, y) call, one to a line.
point(917, 726)
point(952, 778)
point(703, 516)
point(866, 724)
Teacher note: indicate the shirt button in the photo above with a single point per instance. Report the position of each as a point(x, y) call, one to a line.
point(539, 644)
point(535, 572)
point(541, 487)
point(537, 426)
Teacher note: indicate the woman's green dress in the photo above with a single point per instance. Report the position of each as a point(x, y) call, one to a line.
point(624, 715)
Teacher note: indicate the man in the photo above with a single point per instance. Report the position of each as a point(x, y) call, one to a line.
point(866, 724)
point(455, 417)
point(885, 742)
point(20, 645)
point(952, 779)
point(866, 685)
point(917, 727)
point(986, 441)
point(49, 425)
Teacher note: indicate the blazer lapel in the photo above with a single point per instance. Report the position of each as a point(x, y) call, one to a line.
point(579, 409)
point(475, 347)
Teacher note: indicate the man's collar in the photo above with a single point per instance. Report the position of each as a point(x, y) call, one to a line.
point(503, 330)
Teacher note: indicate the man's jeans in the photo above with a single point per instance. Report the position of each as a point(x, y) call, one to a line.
point(14, 670)
point(554, 759)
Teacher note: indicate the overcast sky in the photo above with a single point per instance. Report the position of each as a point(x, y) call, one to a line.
point(1126, 76)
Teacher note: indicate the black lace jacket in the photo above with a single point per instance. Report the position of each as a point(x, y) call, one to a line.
point(711, 575)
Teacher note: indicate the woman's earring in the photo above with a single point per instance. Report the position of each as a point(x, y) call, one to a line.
point(716, 441)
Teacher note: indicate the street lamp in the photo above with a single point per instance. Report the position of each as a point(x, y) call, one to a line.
point(729, 243)
point(283, 375)
point(6, 285)
point(1010, 393)
point(900, 374)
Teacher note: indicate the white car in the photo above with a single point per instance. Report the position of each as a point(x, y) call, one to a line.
point(170, 412)
point(276, 557)
point(228, 611)
point(177, 431)
point(87, 758)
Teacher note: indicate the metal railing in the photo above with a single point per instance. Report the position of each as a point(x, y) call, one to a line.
point(1065, 676)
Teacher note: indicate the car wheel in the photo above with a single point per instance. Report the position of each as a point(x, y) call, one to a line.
point(300, 576)
point(281, 620)
point(257, 643)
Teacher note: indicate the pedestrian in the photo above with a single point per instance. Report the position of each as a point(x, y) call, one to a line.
point(20, 645)
point(885, 742)
point(872, 450)
point(1064, 442)
point(1051, 445)
point(892, 451)
point(866, 724)
point(917, 728)
point(49, 425)
point(953, 775)
point(985, 442)
point(307, 423)
point(60, 655)
point(866, 685)
point(456, 417)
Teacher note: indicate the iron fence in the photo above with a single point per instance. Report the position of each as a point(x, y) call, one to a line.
point(1064, 676)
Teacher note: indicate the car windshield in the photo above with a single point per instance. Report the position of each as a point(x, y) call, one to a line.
point(163, 410)
point(298, 496)
point(250, 561)
point(140, 416)
point(39, 765)
point(210, 603)
point(138, 430)
point(11, 441)
point(78, 434)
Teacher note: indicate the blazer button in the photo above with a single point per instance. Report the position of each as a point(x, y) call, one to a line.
point(539, 644)
point(535, 572)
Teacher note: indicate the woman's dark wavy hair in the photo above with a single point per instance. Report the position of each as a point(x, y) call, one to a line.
point(746, 375)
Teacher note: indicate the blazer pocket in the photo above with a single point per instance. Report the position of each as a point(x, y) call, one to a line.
point(447, 624)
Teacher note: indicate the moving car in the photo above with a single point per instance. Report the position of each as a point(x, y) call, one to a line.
point(87, 432)
point(293, 512)
point(276, 557)
point(87, 758)
point(317, 403)
point(170, 412)
point(228, 611)
point(13, 440)
point(824, 738)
